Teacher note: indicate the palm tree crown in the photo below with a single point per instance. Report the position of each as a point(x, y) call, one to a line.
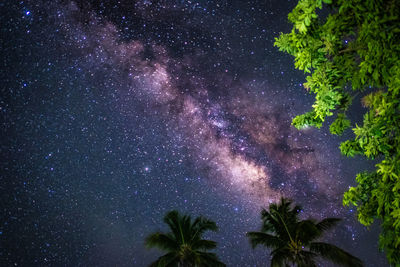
point(184, 244)
point(294, 241)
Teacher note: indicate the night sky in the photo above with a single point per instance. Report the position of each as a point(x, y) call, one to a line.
point(113, 113)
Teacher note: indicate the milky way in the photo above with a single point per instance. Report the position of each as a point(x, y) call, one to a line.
point(161, 82)
point(108, 129)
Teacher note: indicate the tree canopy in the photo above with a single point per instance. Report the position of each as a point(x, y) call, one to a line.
point(184, 244)
point(295, 241)
point(352, 49)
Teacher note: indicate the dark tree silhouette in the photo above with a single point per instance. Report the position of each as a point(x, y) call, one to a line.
point(294, 241)
point(184, 244)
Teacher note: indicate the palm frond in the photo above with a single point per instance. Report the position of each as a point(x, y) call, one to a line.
point(306, 259)
point(280, 257)
point(260, 238)
point(281, 218)
point(327, 224)
point(201, 225)
point(208, 259)
point(335, 254)
point(204, 244)
point(273, 223)
point(185, 228)
point(172, 219)
point(168, 260)
point(162, 241)
point(307, 231)
point(206, 225)
point(267, 219)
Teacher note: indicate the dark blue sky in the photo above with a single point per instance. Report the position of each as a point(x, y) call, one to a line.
point(114, 114)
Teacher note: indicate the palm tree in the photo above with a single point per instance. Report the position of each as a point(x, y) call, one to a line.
point(294, 241)
point(184, 244)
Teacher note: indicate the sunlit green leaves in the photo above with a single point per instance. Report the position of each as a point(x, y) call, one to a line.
point(356, 50)
point(303, 14)
point(350, 148)
point(340, 124)
point(307, 120)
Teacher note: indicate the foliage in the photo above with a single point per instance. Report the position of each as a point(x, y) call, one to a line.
point(294, 241)
point(340, 124)
point(354, 48)
point(184, 244)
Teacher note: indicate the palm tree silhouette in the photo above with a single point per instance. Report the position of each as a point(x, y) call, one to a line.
point(294, 241)
point(184, 244)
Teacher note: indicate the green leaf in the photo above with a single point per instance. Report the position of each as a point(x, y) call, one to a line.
point(340, 124)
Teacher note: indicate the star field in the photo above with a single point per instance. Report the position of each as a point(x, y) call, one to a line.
point(115, 112)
